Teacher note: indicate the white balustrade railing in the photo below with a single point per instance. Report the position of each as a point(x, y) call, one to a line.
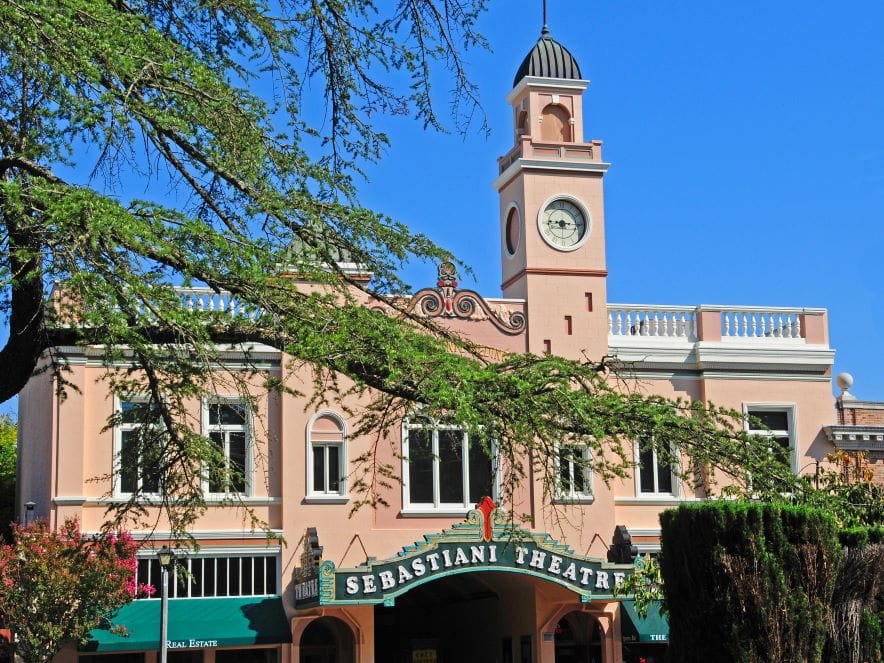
point(206, 299)
point(674, 322)
point(762, 323)
point(682, 322)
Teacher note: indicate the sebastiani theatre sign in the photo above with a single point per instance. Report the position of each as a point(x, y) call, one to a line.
point(485, 542)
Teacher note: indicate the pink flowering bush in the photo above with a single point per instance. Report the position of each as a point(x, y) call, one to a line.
point(56, 586)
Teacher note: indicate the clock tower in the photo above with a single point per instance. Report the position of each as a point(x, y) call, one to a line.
point(552, 218)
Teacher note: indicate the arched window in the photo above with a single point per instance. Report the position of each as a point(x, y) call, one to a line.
point(556, 125)
point(326, 457)
point(522, 123)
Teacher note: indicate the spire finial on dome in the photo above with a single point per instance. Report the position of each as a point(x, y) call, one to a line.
point(545, 30)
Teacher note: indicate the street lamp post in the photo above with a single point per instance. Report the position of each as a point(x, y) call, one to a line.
point(29, 512)
point(166, 558)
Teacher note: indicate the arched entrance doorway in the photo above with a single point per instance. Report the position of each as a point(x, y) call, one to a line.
point(578, 639)
point(327, 640)
point(482, 617)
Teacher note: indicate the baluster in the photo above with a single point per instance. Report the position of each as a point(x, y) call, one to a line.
point(655, 324)
point(618, 326)
point(797, 328)
point(630, 324)
point(727, 323)
point(763, 330)
point(787, 325)
point(753, 318)
point(744, 325)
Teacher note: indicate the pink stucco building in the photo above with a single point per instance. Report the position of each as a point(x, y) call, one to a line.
point(429, 578)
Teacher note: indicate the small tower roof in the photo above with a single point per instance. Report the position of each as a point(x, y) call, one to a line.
point(548, 59)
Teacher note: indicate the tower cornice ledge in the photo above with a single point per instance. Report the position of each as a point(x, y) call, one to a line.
point(556, 165)
point(575, 84)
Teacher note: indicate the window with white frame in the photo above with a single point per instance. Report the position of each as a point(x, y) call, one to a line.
point(139, 447)
point(443, 468)
point(774, 424)
point(572, 473)
point(654, 473)
point(227, 426)
point(208, 575)
point(326, 456)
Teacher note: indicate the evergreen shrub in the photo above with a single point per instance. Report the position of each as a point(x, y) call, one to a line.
point(748, 582)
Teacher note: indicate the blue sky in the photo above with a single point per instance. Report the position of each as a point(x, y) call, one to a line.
point(747, 150)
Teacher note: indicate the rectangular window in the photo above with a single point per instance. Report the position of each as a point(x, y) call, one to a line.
point(248, 656)
point(773, 424)
point(128, 657)
point(204, 576)
point(228, 471)
point(139, 448)
point(444, 468)
point(655, 476)
point(572, 473)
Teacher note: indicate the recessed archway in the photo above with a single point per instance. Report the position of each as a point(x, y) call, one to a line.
point(556, 125)
point(327, 640)
point(578, 639)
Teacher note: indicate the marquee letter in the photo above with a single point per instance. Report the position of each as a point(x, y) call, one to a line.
point(585, 572)
point(460, 557)
point(446, 555)
point(417, 565)
point(433, 559)
point(537, 558)
point(387, 581)
point(601, 580)
point(368, 585)
point(404, 575)
point(619, 577)
point(520, 554)
point(555, 564)
point(352, 585)
point(478, 554)
point(492, 557)
point(571, 572)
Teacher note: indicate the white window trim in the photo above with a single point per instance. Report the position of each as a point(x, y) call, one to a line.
point(118, 448)
point(586, 497)
point(342, 495)
point(207, 428)
point(791, 410)
point(439, 508)
point(675, 494)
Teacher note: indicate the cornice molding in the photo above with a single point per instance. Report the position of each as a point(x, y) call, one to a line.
point(542, 83)
point(552, 271)
point(553, 165)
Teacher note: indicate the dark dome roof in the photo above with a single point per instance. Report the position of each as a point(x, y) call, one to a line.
point(548, 59)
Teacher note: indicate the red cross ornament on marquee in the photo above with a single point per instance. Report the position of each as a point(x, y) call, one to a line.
point(487, 506)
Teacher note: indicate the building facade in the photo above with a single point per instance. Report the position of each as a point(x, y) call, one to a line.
point(440, 574)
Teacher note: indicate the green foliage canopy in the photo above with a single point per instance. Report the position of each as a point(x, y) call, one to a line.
point(216, 102)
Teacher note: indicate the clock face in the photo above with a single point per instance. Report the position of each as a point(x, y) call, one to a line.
point(563, 224)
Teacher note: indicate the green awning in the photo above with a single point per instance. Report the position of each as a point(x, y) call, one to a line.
point(224, 622)
point(652, 628)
